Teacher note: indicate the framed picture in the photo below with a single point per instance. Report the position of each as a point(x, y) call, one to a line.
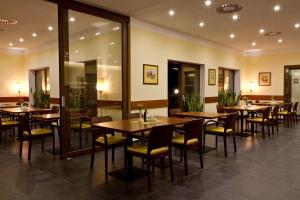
point(264, 78)
point(150, 74)
point(211, 76)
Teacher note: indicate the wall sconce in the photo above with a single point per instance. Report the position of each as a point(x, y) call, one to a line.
point(19, 88)
point(251, 87)
point(102, 86)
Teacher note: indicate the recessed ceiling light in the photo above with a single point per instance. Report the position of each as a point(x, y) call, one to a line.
point(171, 12)
point(98, 33)
point(72, 19)
point(11, 44)
point(34, 34)
point(201, 24)
point(82, 38)
point(207, 2)
point(232, 35)
point(116, 28)
point(112, 43)
point(108, 55)
point(116, 61)
point(50, 28)
point(76, 51)
point(297, 25)
point(276, 8)
point(261, 31)
point(21, 40)
point(280, 40)
point(235, 17)
point(253, 44)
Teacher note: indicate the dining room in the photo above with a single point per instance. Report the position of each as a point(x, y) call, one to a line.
point(102, 99)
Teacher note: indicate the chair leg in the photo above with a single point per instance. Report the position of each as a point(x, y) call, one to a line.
point(200, 154)
point(29, 149)
point(93, 155)
point(203, 147)
point(113, 154)
point(181, 155)
point(106, 163)
point(263, 130)
point(277, 124)
point(0, 136)
point(21, 147)
point(148, 174)
point(268, 130)
point(225, 146)
point(171, 166)
point(53, 144)
point(216, 141)
point(234, 142)
point(125, 158)
point(80, 139)
point(272, 127)
point(42, 142)
point(153, 167)
point(185, 161)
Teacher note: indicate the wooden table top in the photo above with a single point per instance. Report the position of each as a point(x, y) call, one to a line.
point(9, 105)
point(246, 108)
point(24, 110)
point(51, 116)
point(203, 115)
point(135, 126)
point(269, 103)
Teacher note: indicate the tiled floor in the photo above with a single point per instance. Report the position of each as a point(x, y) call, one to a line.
point(261, 169)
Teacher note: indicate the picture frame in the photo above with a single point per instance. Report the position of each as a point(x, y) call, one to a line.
point(150, 74)
point(211, 76)
point(264, 78)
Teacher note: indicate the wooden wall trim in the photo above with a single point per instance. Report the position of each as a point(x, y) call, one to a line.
point(109, 103)
point(264, 97)
point(12, 99)
point(211, 99)
point(161, 103)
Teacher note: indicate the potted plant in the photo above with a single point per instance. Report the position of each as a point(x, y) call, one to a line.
point(227, 98)
point(194, 103)
point(41, 99)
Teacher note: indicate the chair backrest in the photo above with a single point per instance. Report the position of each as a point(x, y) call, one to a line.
point(54, 109)
point(266, 112)
point(133, 115)
point(220, 109)
point(193, 129)
point(231, 120)
point(174, 111)
point(101, 119)
point(275, 112)
point(160, 136)
point(24, 124)
point(288, 107)
point(295, 108)
point(100, 131)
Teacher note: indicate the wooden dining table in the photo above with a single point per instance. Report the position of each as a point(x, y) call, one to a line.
point(24, 110)
point(269, 103)
point(9, 105)
point(131, 127)
point(251, 109)
point(201, 115)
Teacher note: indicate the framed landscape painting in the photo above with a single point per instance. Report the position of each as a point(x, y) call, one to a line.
point(211, 76)
point(150, 74)
point(264, 78)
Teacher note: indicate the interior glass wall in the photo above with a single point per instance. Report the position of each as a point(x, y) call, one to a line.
point(226, 80)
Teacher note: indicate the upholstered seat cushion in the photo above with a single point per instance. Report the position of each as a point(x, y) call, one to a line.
point(256, 119)
point(283, 112)
point(10, 123)
point(143, 148)
point(55, 124)
point(83, 126)
point(179, 139)
point(5, 119)
point(39, 131)
point(217, 129)
point(112, 139)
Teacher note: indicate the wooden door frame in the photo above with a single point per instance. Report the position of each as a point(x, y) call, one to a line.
point(287, 90)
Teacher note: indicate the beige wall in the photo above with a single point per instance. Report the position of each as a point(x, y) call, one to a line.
point(274, 63)
point(12, 71)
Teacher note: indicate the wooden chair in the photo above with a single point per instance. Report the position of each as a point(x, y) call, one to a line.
point(54, 109)
point(83, 124)
point(222, 129)
point(285, 113)
point(192, 135)
point(273, 119)
point(174, 111)
point(159, 145)
point(28, 134)
point(294, 113)
point(107, 140)
point(263, 120)
point(7, 124)
point(133, 115)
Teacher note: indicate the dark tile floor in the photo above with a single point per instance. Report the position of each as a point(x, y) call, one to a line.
point(261, 169)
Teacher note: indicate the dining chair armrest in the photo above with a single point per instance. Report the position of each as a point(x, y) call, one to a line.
point(180, 131)
point(210, 122)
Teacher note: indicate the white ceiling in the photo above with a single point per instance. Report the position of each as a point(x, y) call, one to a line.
point(256, 14)
point(37, 15)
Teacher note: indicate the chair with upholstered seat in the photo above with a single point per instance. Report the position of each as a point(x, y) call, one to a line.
point(263, 121)
point(285, 113)
point(7, 124)
point(28, 134)
point(83, 124)
point(192, 135)
point(159, 145)
point(294, 113)
point(223, 129)
point(106, 140)
point(273, 119)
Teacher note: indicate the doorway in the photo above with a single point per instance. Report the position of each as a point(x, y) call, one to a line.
point(39, 80)
point(292, 84)
point(183, 80)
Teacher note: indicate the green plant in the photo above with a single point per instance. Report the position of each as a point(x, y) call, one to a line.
point(194, 103)
point(41, 99)
point(228, 98)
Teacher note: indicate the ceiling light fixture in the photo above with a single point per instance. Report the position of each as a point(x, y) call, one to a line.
point(207, 2)
point(82, 38)
point(171, 13)
point(116, 28)
point(277, 8)
point(11, 44)
point(4, 21)
point(235, 17)
point(21, 40)
point(72, 19)
point(229, 8)
point(76, 51)
point(112, 43)
point(280, 40)
point(253, 44)
point(98, 33)
point(201, 24)
point(297, 25)
point(232, 35)
point(34, 34)
point(50, 28)
point(261, 31)
point(272, 33)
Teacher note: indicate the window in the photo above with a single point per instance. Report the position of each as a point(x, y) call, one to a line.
point(226, 80)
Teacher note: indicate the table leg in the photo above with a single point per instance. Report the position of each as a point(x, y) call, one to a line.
point(242, 123)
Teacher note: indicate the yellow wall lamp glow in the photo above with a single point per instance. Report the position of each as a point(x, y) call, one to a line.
point(102, 86)
point(251, 87)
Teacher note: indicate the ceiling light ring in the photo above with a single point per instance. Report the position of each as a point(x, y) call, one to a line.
point(4, 21)
point(229, 8)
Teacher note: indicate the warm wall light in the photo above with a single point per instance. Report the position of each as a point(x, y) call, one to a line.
point(102, 86)
point(19, 88)
point(251, 87)
point(176, 91)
